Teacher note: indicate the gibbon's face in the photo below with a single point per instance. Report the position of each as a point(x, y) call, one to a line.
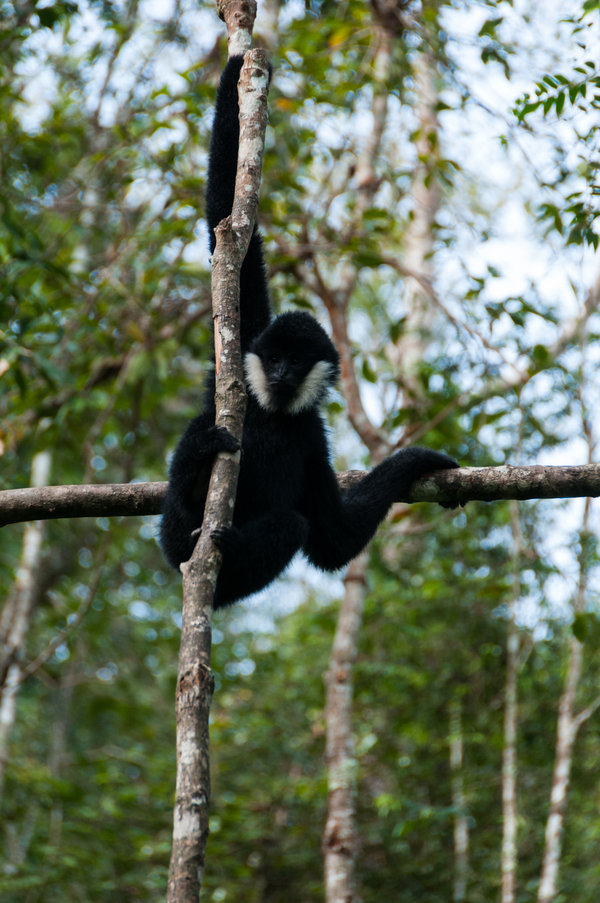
point(285, 381)
point(291, 364)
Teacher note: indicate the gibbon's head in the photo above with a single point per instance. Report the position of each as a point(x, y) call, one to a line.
point(291, 364)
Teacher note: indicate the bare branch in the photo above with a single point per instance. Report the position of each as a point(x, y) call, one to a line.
point(585, 714)
point(489, 484)
point(466, 484)
point(566, 728)
point(108, 500)
point(339, 837)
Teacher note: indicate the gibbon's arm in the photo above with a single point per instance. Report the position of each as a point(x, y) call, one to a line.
point(255, 308)
point(192, 463)
point(189, 475)
point(341, 525)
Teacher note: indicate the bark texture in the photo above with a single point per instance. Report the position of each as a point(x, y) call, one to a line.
point(509, 768)
point(239, 17)
point(509, 750)
point(339, 837)
point(449, 487)
point(16, 615)
point(489, 484)
point(461, 825)
point(568, 722)
point(566, 732)
point(408, 352)
point(195, 682)
point(108, 500)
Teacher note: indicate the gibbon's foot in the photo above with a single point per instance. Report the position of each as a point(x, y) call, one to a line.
point(228, 541)
point(439, 461)
point(429, 460)
point(219, 439)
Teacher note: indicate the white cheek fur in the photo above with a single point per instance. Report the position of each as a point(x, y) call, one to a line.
point(309, 392)
point(257, 381)
point(311, 388)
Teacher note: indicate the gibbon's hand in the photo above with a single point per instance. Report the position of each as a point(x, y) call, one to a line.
point(228, 541)
point(219, 439)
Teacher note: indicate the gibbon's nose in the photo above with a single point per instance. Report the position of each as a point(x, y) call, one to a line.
point(281, 373)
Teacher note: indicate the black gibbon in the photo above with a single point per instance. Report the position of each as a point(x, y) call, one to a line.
point(287, 497)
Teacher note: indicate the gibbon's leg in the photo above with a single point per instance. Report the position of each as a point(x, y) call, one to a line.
point(255, 308)
point(341, 525)
point(255, 554)
point(183, 507)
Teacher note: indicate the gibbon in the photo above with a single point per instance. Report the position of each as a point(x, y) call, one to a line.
point(288, 498)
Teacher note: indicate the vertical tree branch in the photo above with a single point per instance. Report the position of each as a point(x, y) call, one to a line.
point(339, 837)
point(408, 352)
point(568, 722)
point(16, 614)
point(461, 826)
point(509, 751)
point(566, 731)
point(194, 679)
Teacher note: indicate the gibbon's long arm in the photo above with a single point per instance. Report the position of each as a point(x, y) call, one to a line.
point(341, 525)
point(255, 309)
point(183, 508)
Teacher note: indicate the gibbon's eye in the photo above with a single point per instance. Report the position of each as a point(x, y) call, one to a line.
point(273, 359)
point(295, 361)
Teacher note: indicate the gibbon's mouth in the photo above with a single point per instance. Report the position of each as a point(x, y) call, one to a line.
point(281, 391)
point(282, 382)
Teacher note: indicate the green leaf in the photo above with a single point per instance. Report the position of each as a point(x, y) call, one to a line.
point(368, 373)
point(541, 357)
point(579, 627)
point(367, 259)
point(575, 236)
point(489, 27)
point(397, 328)
point(48, 16)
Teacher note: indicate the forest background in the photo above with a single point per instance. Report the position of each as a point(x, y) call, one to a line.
point(433, 200)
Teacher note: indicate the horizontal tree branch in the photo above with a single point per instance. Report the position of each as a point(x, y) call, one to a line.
point(448, 487)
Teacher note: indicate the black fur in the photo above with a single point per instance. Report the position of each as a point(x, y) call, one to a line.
point(288, 498)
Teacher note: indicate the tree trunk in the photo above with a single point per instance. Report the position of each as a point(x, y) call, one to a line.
point(461, 825)
point(16, 614)
point(195, 681)
point(566, 731)
point(339, 838)
point(509, 767)
point(408, 352)
point(509, 751)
